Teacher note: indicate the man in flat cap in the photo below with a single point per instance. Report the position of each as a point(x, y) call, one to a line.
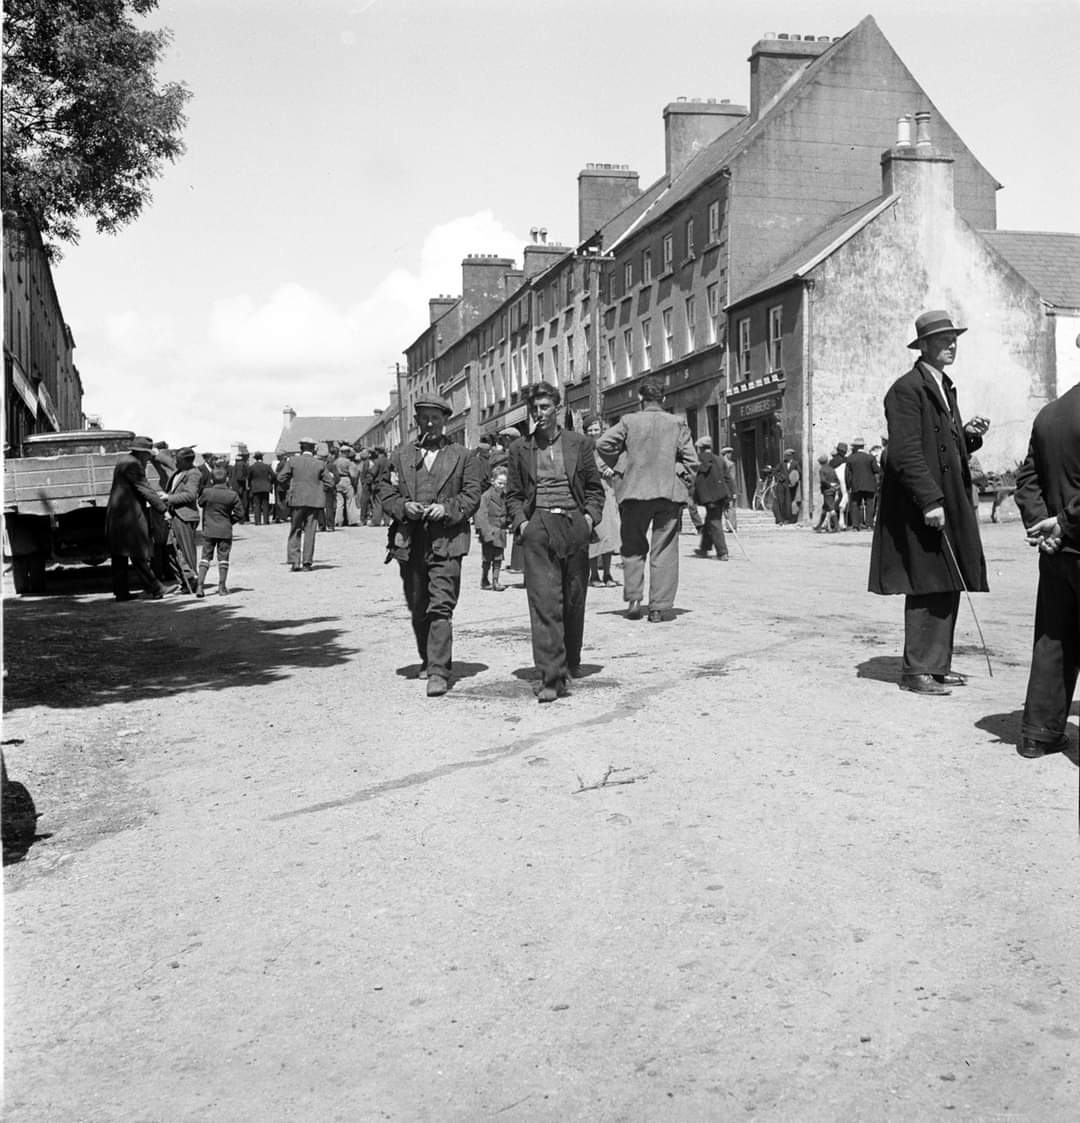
point(431, 488)
point(182, 498)
point(928, 525)
point(127, 527)
point(305, 476)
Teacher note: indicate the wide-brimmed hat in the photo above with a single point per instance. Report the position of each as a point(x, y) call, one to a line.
point(932, 323)
point(858, 442)
point(727, 448)
point(305, 443)
point(141, 444)
point(433, 401)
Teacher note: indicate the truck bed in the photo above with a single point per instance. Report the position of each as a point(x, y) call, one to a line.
point(55, 485)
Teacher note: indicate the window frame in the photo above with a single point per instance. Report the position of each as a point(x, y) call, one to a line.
point(646, 267)
point(628, 351)
point(668, 252)
point(776, 349)
point(646, 343)
point(714, 221)
point(742, 328)
point(691, 323)
point(668, 349)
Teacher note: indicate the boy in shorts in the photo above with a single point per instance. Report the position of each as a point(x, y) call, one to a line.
point(221, 508)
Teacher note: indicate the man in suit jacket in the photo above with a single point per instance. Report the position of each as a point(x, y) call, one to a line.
point(713, 491)
point(260, 484)
point(928, 524)
point(238, 478)
point(431, 489)
point(555, 497)
point(182, 497)
point(861, 476)
point(305, 476)
point(656, 445)
point(1048, 495)
point(127, 529)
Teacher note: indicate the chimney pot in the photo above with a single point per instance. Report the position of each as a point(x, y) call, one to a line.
point(903, 131)
point(922, 129)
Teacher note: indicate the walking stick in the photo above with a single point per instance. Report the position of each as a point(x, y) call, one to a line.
point(739, 541)
point(971, 603)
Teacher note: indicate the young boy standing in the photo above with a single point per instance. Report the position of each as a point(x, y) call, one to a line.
point(491, 523)
point(221, 508)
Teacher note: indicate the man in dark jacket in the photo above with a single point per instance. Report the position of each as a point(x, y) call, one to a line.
point(127, 529)
point(431, 489)
point(260, 485)
point(305, 476)
point(182, 496)
point(928, 524)
point(238, 478)
point(713, 491)
point(861, 477)
point(555, 497)
point(1048, 495)
point(829, 485)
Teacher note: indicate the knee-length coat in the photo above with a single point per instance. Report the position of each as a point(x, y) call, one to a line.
point(926, 466)
point(127, 529)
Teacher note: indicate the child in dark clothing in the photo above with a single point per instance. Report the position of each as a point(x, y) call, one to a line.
point(221, 508)
point(491, 523)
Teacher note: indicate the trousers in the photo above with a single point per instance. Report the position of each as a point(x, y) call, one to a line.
point(556, 560)
point(260, 507)
point(713, 531)
point(119, 573)
point(432, 585)
point(303, 525)
point(183, 536)
point(638, 517)
point(1055, 656)
point(929, 625)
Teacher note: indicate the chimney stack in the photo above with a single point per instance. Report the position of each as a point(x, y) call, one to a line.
point(603, 191)
point(439, 305)
point(692, 124)
point(288, 416)
point(483, 284)
point(920, 174)
point(773, 60)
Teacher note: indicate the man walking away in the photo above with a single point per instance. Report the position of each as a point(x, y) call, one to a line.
point(861, 476)
point(305, 476)
point(260, 486)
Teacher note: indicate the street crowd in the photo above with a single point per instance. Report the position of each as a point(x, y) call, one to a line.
point(566, 501)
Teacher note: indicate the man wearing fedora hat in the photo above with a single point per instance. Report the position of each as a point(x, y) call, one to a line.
point(306, 477)
point(861, 478)
point(127, 528)
point(431, 488)
point(182, 497)
point(926, 542)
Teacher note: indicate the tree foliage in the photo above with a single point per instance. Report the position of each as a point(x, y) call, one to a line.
point(86, 126)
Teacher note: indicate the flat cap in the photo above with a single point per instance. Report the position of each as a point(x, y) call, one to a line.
point(433, 401)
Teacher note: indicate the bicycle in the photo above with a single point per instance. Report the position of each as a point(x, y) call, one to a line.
point(765, 491)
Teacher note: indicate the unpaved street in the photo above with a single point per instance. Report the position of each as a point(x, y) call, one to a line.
point(278, 883)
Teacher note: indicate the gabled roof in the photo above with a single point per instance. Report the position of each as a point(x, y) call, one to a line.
point(818, 248)
point(321, 430)
point(1051, 262)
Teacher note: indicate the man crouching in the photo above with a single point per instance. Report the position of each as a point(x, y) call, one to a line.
point(555, 496)
point(431, 488)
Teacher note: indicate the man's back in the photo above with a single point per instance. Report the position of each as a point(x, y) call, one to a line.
point(1050, 477)
point(654, 442)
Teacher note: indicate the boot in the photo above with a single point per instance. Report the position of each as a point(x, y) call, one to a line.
point(594, 573)
point(485, 569)
point(200, 588)
point(223, 574)
point(496, 587)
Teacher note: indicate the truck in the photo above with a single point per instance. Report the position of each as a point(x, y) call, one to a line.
point(55, 497)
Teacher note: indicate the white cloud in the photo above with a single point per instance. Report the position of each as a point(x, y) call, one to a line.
point(294, 346)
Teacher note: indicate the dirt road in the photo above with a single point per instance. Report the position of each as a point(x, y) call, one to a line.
point(278, 883)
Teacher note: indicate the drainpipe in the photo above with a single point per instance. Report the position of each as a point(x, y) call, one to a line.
point(809, 484)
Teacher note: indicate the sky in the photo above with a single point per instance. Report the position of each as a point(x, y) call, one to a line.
point(343, 156)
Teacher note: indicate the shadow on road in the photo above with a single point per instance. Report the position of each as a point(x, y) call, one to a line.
point(880, 668)
point(458, 671)
point(75, 653)
point(1006, 728)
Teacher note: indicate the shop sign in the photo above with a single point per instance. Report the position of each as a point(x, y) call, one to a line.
point(748, 411)
point(22, 384)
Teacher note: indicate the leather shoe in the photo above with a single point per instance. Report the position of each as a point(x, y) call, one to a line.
point(1033, 749)
point(575, 672)
point(634, 611)
point(437, 686)
point(295, 568)
point(951, 679)
point(923, 684)
point(658, 616)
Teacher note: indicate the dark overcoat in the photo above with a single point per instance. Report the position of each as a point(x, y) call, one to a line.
point(1048, 482)
point(458, 481)
point(582, 474)
point(711, 484)
point(127, 529)
point(926, 466)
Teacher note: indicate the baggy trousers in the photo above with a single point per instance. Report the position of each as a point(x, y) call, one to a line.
point(119, 573)
point(432, 586)
point(929, 624)
point(303, 523)
point(637, 517)
point(713, 532)
point(1055, 657)
point(556, 559)
point(260, 507)
point(183, 535)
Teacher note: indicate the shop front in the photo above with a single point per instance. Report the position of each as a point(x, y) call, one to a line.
point(756, 436)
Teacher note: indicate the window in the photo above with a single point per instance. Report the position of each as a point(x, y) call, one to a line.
point(568, 351)
point(526, 373)
point(569, 284)
point(611, 358)
point(540, 365)
point(714, 221)
point(668, 334)
point(646, 267)
point(689, 237)
point(775, 333)
point(588, 350)
point(515, 371)
point(691, 323)
point(712, 295)
point(744, 348)
point(539, 305)
point(646, 344)
point(628, 348)
point(555, 363)
point(669, 251)
point(627, 278)
point(611, 285)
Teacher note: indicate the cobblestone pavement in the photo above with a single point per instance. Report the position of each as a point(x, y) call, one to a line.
point(736, 874)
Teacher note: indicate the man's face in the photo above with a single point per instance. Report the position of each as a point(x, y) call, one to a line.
point(543, 412)
point(595, 429)
point(430, 421)
point(939, 350)
point(498, 482)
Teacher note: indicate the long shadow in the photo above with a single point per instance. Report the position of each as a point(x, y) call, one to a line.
point(459, 670)
point(77, 653)
point(1006, 728)
point(880, 668)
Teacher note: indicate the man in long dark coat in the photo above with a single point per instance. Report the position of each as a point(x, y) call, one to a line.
point(927, 507)
point(713, 492)
point(861, 477)
point(127, 529)
point(1048, 495)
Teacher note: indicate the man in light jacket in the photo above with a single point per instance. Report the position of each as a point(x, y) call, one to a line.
point(305, 476)
point(660, 462)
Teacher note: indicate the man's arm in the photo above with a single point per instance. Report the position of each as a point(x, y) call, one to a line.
point(685, 450)
point(1029, 493)
point(611, 443)
point(463, 505)
point(594, 484)
point(135, 475)
point(515, 488)
point(387, 486)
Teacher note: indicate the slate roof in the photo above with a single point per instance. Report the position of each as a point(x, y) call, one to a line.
point(819, 247)
point(320, 430)
point(1051, 262)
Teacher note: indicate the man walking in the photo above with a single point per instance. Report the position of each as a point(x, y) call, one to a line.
point(431, 489)
point(305, 476)
point(260, 484)
point(928, 524)
point(731, 515)
point(711, 490)
point(1048, 495)
point(127, 529)
point(656, 444)
point(555, 496)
